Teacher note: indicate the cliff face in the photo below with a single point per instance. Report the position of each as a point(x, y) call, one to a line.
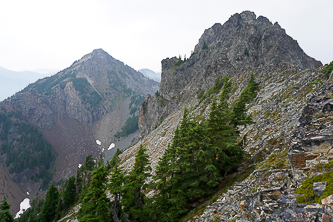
point(244, 42)
point(91, 100)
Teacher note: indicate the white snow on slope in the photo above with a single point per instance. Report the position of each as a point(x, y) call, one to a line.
point(112, 146)
point(24, 205)
point(98, 142)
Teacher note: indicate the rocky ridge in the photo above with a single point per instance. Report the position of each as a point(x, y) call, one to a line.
point(292, 115)
point(244, 42)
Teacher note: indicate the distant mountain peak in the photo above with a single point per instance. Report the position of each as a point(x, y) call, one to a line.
point(95, 54)
point(99, 53)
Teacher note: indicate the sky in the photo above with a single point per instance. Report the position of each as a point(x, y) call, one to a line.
point(48, 34)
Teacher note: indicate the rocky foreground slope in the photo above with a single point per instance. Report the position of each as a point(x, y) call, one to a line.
point(292, 113)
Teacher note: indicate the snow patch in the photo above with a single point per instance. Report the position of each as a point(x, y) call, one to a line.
point(80, 165)
point(98, 142)
point(103, 150)
point(24, 205)
point(28, 193)
point(112, 145)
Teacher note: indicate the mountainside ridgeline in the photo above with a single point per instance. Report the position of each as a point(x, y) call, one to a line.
point(243, 43)
point(58, 119)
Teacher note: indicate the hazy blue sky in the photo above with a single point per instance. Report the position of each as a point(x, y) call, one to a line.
point(51, 34)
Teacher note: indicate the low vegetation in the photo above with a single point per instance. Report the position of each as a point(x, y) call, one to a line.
point(130, 127)
point(88, 94)
point(277, 160)
point(305, 192)
point(328, 69)
point(25, 148)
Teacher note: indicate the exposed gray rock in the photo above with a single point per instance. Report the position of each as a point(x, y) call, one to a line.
point(267, 45)
point(318, 188)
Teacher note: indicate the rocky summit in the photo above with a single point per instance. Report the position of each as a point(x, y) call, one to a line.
point(290, 140)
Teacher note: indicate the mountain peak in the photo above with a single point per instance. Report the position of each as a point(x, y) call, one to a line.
point(265, 43)
point(248, 16)
point(99, 52)
point(95, 54)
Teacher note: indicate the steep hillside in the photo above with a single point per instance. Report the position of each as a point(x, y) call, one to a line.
point(292, 114)
point(63, 118)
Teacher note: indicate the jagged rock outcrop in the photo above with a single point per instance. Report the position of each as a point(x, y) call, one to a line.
point(244, 42)
point(312, 142)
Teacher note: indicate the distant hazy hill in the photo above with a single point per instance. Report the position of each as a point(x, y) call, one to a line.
point(151, 74)
point(12, 82)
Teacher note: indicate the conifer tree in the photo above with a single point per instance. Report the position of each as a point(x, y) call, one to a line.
point(48, 211)
point(239, 107)
point(169, 202)
point(134, 198)
point(70, 191)
point(116, 188)
point(60, 208)
point(89, 163)
point(95, 204)
point(5, 215)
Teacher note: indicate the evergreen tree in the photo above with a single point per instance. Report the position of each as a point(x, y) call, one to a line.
point(48, 211)
point(89, 164)
point(227, 133)
point(60, 208)
point(134, 198)
point(70, 191)
point(114, 160)
point(239, 107)
point(116, 188)
point(169, 202)
point(5, 215)
point(95, 204)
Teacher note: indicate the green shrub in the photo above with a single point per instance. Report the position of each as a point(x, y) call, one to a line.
point(328, 69)
point(130, 127)
point(200, 94)
point(204, 46)
point(179, 62)
point(246, 52)
point(315, 81)
point(306, 191)
point(215, 88)
point(275, 161)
